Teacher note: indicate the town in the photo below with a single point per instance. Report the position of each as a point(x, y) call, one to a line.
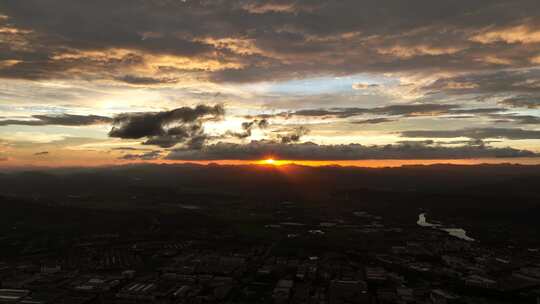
point(360, 258)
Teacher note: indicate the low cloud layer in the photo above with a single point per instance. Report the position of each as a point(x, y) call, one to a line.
point(476, 133)
point(514, 118)
point(144, 156)
point(372, 121)
point(530, 102)
point(257, 150)
point(409, 110)
point(61, 120)
point(392, 112)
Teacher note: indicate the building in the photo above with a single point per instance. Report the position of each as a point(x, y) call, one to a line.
point(348, 291)
point(439, 296)
point(282, 291)
point(13, 295)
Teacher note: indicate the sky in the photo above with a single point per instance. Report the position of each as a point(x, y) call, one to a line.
point(99, 82)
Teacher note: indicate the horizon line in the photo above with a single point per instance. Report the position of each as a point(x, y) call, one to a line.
point(367, 163)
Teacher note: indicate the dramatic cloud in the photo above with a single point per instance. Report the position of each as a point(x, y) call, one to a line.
point(140, 80)
point(62, 120)
point(345, 69)
point(248, 40)
point(294, 135)
point(392, 110)
point(41, 153)
point(145, 156)
point(519, 119)
point(167, 128)
point(372, 121)
point(257, 150)
point(125, 149)
point(247, 127)
point(531, 102)
point(499, 82)
point(477, 111)
point(514, 34)
point(414, 110)
point(476, 133)
point(365, 86)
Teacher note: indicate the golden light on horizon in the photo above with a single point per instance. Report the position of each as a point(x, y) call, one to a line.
point(270, 161)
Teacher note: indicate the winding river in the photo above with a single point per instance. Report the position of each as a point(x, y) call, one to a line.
point(456, 232)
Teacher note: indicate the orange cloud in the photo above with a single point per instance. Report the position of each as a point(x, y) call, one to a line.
point(516, 34)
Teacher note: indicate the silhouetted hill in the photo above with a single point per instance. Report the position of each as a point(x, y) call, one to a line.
point(493, 197)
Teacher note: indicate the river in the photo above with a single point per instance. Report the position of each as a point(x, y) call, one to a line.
point(456, 232)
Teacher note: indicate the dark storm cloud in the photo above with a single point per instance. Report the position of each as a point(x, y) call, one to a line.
point(167, 128)
point(476, 133)
point(292, 38)
point(257, 150)
point(531, 102)
point(139, 125)
point(61, 120)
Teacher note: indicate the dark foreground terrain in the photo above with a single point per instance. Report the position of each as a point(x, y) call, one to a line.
point(258, 234)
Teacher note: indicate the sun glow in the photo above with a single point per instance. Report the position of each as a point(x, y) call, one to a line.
point(270, 161)
point(274, 162)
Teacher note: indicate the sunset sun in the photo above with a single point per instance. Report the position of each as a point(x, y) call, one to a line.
point(270, 161)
